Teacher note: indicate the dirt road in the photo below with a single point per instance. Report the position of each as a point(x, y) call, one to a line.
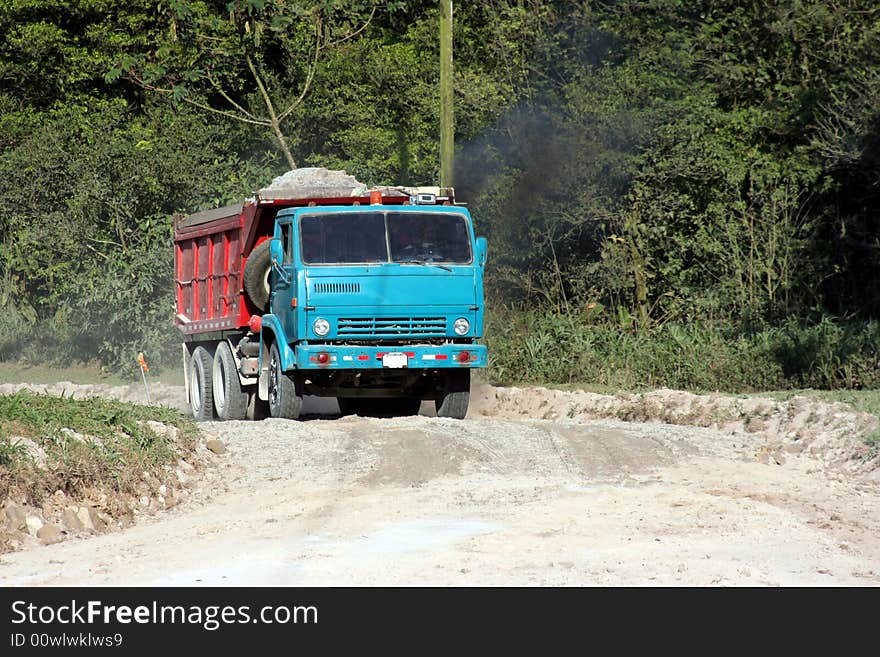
point(497, 499)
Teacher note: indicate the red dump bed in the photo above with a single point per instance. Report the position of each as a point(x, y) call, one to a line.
point(211, 247)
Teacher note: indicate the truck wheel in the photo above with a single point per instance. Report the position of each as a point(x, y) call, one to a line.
point(452, 400)
point(256, 275)
point(230, 399)
point(283, 398)
point(201, 394)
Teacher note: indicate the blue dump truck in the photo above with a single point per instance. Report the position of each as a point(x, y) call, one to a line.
point(372, 296)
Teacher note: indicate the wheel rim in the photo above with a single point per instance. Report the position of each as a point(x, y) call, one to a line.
point(219, 387)
point(195, 390)
point(273, 379)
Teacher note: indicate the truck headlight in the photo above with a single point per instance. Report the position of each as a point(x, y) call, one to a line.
point(321, 326)
point(461, 326)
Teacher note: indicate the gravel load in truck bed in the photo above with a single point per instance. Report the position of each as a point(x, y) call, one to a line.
point(313, 182)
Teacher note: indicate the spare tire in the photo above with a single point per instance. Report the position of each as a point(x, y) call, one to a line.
point(256, 275)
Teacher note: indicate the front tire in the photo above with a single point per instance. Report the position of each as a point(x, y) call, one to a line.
point(452, 400)
point(201, 394)
point(230, 399)
point(283, 398)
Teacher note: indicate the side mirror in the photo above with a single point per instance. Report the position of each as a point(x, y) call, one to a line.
point(482, 245)
point(276, 256)
point(276, 252)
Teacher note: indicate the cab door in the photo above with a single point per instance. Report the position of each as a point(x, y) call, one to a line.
point(283, 283)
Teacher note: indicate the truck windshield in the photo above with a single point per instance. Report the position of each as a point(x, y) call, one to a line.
point(338, 238)
point(360, 237)
point(428, 237)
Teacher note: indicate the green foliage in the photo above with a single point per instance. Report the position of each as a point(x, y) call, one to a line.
point(699, 162)
point(671, 179)
point(547, 347)
point(86, 442)
point(251, 61)
point(88, 260)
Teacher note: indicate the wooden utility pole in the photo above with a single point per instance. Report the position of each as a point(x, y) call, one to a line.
point(447, 133)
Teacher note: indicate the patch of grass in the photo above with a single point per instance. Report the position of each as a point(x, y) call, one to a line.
point(11, 453)
point(87, 442)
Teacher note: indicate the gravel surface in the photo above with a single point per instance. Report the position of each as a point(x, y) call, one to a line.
point(512, 495)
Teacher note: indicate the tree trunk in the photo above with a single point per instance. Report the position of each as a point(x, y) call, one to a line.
point(640, 275)
point(273, 117)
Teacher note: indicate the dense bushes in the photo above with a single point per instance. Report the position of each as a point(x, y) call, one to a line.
point(87, 266)
point(536, 346)
point(681, 168)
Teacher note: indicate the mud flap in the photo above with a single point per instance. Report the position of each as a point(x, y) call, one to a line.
point(263, 384)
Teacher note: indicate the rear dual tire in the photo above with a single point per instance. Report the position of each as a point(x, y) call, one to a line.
point(201, 390)
point(230, 398)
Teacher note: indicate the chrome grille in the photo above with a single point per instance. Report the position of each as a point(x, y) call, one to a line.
point(391, 326)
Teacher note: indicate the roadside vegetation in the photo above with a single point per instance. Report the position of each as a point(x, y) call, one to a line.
point(80, 446)
point(702, 357)
point(675, 193)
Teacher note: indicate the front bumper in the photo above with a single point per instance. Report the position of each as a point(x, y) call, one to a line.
point(348, 357)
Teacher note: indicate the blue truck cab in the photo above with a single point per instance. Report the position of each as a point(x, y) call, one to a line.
point(378, 305)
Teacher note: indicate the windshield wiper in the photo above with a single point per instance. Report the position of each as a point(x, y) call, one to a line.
point(424, 264)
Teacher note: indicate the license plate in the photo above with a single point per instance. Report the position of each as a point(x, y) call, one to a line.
point(395, 359)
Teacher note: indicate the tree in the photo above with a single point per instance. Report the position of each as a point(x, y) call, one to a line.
point(252, 61)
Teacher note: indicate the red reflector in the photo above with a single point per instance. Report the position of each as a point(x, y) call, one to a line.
point(323, 357)
point(410, 354)
point(464, 356)
point(363, 358)
point(255, 323)
point(440, 357)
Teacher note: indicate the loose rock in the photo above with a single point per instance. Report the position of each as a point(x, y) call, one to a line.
point(34, 523)
point(15, 516)
point(216, 446)
point(50, 534)
point(71, 520)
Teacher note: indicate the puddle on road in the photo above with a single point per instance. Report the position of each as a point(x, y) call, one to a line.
point(410, 536)
point(270, 568)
